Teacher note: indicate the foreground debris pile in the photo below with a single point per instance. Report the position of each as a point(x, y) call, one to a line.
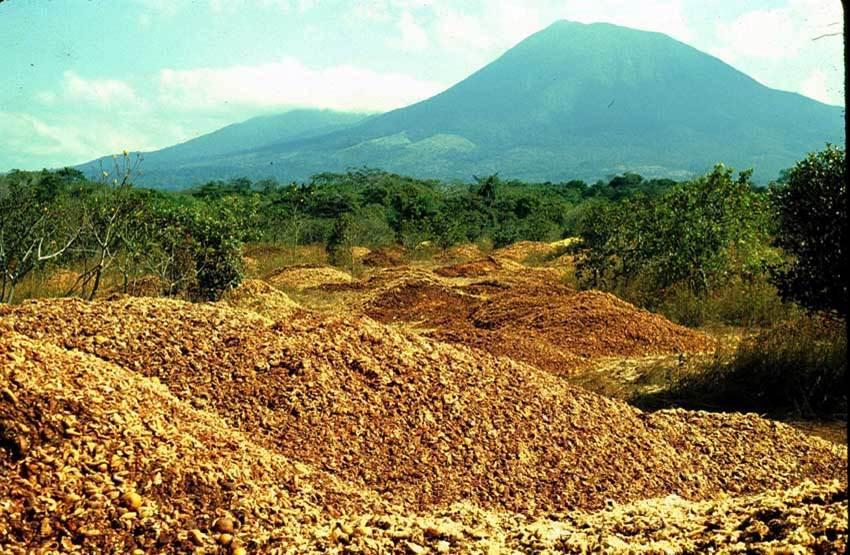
point(806, 519)
point(98, 458)
point(141, 423)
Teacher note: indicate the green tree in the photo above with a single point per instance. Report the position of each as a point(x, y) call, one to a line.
point(697, 234)
point(340, 241)
point(812, 211)
point(35, 227)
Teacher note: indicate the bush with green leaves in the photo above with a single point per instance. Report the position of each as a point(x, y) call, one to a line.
point(194, 248)
point(698, 235)
point(812, 210)
point(341, 241)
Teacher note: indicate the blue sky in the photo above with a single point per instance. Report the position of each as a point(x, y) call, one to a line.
point(88, 78)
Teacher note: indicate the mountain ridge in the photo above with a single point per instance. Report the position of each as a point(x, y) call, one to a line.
point(570, 101)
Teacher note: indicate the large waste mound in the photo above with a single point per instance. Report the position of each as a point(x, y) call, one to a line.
point(538, 321)
point(457, 253)
point(95, 458)
point(423, 423)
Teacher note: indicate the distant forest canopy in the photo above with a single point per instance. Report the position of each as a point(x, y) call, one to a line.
point(389, 208)
point(191, 240)
point(655, 232)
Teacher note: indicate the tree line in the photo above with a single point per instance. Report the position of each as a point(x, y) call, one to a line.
point(654, 234)
point(719, 230)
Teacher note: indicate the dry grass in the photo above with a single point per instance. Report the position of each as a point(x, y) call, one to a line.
point(797, 367)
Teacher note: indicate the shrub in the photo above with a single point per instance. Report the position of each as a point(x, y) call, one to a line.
point(797, 367)
point(741, 303)
point(698, 234)
point(812, 210)
point(341, 241)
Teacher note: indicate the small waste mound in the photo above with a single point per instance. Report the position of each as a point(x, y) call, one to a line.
point(563, 262)
point(358, 253)
point(260, 297)
point(565, 242)
point(384, 257)
point(467, 251)
point(418, 298)
point(523, 250)
point(307, 275)
point(479, 268)
point(589, 324)
point(62, 280)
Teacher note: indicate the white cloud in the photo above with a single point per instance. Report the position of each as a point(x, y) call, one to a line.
point(815, 86)
point(104, 92)
point(167, 8)
point(793, 47)
point(459, 31)
point(48, 98)
point(286, 6)
point(500, 24)
point(288, 84)
point(770, 34)
point(413, 37)
point(33, 142)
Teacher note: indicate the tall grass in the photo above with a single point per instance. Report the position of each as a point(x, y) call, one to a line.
point(264, 259)
point(738, 303)
point(795, 368)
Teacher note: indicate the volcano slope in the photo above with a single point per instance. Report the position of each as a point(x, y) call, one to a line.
point(97, 458)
